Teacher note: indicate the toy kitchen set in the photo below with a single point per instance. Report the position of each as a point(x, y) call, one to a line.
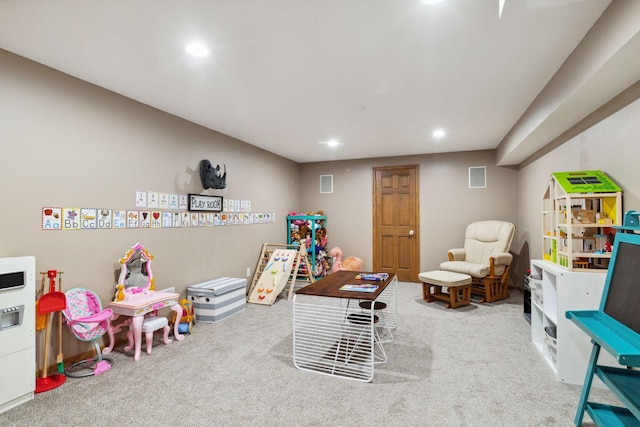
point(17, 331)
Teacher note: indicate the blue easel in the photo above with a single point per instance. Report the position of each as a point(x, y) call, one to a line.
point(616, 328)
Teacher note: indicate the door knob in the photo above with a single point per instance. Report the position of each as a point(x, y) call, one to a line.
point(410, 232)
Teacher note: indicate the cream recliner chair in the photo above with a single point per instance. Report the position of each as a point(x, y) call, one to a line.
point(485, 257)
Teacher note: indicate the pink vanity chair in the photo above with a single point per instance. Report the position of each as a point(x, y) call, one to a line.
point(137, 298)
point(150, 324)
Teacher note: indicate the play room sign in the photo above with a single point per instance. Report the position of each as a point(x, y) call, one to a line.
point(203, 203)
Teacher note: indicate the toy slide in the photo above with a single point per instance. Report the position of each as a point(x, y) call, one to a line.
point(274, 277)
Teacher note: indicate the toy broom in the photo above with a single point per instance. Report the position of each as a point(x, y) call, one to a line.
point(60, 357)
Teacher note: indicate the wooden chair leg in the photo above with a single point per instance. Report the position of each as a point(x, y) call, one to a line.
point(489, 289)
point(466, 294)
point(426, 291)
point(494, 290)
point(459, 296)
point(437, 292)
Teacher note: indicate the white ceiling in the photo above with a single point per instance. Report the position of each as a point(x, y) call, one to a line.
point(282, 75)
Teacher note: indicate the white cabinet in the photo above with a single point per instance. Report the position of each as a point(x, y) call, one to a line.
point(17, 331)
point(554, 291)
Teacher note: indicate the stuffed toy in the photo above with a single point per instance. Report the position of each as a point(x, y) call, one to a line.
point(321, 237)
point(325, 265)
point(295, 238)
point(297, 222)
point(349, 264)
point(304, 232)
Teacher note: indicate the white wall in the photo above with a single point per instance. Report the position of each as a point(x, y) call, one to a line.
point(612, 145)
point(67, 143)
point(447, 205)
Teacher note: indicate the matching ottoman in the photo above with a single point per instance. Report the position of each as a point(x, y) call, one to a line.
point(457, 284)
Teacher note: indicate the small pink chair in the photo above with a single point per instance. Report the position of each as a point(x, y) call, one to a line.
point(151, 324)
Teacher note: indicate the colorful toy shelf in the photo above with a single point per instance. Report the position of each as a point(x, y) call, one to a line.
point(310, 230)
point(580, 210)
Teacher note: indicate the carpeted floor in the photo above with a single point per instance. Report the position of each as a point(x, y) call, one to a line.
point(472, 366)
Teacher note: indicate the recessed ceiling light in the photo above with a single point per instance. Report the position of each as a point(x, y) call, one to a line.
point(438, 133)
point(331, 142)
point(197, 49)
point(431, 2)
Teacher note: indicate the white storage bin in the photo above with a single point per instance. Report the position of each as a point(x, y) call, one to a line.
point(552, 346)
point(535, 284)
point(217, 299)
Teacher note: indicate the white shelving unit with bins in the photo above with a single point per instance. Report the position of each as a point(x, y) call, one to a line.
point(579, 210)
point(554, 290)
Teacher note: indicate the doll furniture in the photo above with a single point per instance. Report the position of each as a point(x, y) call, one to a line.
point(458, 287)
point(88, 322)
point(151, 324)
point(579, 209)
point(485, 257)
point(136, 296)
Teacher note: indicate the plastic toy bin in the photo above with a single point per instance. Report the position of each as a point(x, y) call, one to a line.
point(552, 343)
point(535, 285)
point(216, 299)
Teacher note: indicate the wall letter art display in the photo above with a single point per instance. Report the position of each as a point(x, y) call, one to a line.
point(61, 218)
point(155, 209)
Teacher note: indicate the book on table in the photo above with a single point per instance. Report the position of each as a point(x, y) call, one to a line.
point(378, 277)
point(359, 287)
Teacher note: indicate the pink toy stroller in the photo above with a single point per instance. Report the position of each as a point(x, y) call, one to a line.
point(88, 322)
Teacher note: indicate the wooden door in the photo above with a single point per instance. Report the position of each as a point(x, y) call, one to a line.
point(396, 222)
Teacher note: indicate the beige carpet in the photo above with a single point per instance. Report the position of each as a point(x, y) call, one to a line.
point(473, 366)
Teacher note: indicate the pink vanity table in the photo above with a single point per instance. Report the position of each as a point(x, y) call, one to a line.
point(136, 296)
point(138, 305)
